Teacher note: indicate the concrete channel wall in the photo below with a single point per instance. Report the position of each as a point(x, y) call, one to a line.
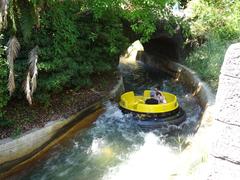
point(196, 154)
point(16, 151)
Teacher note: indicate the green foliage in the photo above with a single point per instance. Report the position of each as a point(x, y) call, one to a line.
point(4, 97)
point(175, 22)
point(5, 123)
point(217, 23)
point(16, 133)
point(74, 45)
point(207, 60)
point(27, 18)
point(78, 38)
point(220, 18)
point(142, 15)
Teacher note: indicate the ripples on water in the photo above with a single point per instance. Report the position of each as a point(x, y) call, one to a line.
point(115, 148)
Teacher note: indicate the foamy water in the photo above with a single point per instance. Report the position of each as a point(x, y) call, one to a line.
point(152, 160)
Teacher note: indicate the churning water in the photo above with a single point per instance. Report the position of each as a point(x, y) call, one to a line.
point(115, 148)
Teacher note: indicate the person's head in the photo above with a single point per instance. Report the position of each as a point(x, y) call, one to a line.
point(152, 94)
point(158, 93)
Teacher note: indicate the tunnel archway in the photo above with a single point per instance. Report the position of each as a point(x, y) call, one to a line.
point(165, 48)
point(161, 49)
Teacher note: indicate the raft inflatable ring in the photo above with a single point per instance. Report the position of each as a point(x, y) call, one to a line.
point(153, 115)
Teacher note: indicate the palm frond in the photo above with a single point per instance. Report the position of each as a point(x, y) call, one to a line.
point(11, 82)
point(13, 48)
point(3, 13)
point(27, 88)
point(30, 84)
point(34, 83)
point(33, 58)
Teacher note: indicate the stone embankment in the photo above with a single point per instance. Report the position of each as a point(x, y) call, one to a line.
point(225, 155)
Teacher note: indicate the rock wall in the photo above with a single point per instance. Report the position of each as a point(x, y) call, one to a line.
point(228, 94)
point(225, 155)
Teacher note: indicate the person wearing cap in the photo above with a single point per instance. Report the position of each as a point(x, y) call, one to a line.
point(159, 96)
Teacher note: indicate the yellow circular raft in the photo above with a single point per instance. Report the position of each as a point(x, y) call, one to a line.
point(153, 116)
point(137, 103)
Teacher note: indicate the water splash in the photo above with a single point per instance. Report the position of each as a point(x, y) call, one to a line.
point(153, 160)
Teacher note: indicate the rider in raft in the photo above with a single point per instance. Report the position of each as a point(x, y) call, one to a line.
point(156, 97)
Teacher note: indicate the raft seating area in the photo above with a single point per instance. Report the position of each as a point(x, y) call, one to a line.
point(137, 103)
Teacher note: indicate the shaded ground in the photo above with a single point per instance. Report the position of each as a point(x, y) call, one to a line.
point(22, 117)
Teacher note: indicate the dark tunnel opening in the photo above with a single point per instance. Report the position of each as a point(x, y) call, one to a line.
point(159, 51)
point(163, 48)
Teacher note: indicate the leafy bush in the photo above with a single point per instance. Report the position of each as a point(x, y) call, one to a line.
point(74, 45)
point(77, 39)
point(216, 24)
point(219, 18)
point(80, 39)
point(4, 96)
point(142, 15)
point(207, 60)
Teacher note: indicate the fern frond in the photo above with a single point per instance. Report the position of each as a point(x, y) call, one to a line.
point(11, 82)
point(27, 88)
point(30, 84)
point(33, 58)
point(13, 48)
point(3, 13)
